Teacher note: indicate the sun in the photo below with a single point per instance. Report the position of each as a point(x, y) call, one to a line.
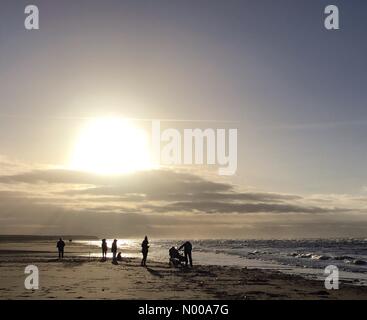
point(111, 146)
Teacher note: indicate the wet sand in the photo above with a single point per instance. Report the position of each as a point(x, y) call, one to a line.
point(90, 278)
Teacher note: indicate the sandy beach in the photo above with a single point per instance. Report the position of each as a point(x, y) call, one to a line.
point(84, 277)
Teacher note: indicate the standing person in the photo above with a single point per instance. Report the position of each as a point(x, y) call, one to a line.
point(104, 249)
point(114, 250)
point(144, 251)
point(187, 250)
point(60, 246)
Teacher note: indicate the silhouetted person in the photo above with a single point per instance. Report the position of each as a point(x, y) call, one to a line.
point(174, 253)
point(114, 250)
point(104, 249)
point(187, 246)
point(60, 246)
point(144, 251)
point(119, 257)
point(175, 257)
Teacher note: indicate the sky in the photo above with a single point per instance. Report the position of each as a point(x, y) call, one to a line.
point(295, 91)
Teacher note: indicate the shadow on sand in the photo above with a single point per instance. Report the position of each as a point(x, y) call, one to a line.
point(154, 272)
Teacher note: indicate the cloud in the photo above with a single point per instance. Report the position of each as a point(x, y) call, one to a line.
point(219, 196)
point(139, 182)
point(157, 202)
point(163, 191)
point(11, 166)
point(23, 216)
point(225, 207)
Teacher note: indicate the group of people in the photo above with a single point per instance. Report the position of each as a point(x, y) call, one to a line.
point(115, 256)
point(176, 258)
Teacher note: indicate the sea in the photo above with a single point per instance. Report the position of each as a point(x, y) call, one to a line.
point(306, 257)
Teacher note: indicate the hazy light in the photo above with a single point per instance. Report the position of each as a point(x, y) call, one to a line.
point(111, 146)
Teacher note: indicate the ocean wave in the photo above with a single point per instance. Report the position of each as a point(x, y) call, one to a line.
point(320, 257)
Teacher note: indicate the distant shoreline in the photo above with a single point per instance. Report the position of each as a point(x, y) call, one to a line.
point(46, 237)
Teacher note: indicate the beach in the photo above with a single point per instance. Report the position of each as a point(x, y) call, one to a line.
point(82, 275)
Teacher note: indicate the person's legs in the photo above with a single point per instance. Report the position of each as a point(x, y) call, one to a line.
point(186, 258)
point(59, 254)
point(190, 258)
point(144, 262)
point(62, 253)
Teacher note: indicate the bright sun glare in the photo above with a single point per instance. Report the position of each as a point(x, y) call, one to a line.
point(111, 146)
